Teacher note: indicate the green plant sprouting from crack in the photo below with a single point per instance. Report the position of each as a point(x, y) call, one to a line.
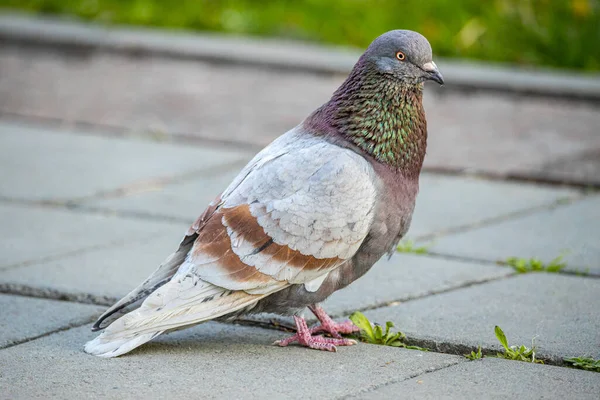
point(517, 353)
point(374, 334)
point(475, 355)
point(587, 363)
point(408, 246)
point(524, 266)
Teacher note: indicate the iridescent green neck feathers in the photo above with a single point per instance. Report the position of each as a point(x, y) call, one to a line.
point(382, 116)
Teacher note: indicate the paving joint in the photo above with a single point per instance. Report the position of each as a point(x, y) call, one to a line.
point(374, 388)
point(432, 293)
point(102, 130)
point(502, 263)
point(87, 298)
point(54, 294)
point(72, 253)
point(565, 201)
point(155, 183)
point(513, 177)
point(78, 204)
point(88, 209)
point(119, 131)
point(279, 324)
point(58, 330)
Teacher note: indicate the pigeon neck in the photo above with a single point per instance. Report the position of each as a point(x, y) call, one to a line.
point(382, 116)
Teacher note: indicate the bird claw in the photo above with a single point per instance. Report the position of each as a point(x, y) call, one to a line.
point(316, 342)
point(305, 338)
point(335, 329)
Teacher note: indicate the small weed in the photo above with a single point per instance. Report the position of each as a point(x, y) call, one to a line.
point(587, 363)
point(519, 353)
point(375, 334)
point(408, 246)
point(524, 266)
point(475, 355)
point(584, 272)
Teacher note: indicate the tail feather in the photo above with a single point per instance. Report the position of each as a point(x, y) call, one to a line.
point(158, 278)
point(112, 348)
point(163, 312)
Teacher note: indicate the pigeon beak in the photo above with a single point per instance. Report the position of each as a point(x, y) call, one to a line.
point(433, 72)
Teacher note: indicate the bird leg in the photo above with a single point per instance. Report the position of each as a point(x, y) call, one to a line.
point(304, 337)
point(330, 326)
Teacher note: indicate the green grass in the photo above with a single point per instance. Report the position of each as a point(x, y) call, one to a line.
point(556, 33)
point(524, 266)
point(374, 334)
point(408, 246)
point(587, 363)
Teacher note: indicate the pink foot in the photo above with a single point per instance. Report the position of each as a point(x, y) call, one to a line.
point(305, 338)
point(330, 326)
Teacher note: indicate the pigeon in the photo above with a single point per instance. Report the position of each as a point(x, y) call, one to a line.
point(308, 215)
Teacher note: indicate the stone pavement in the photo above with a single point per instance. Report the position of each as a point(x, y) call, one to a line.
point(86, 217)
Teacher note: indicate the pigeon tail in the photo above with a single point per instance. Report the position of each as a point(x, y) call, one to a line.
point(104, 347)
point(165, 310)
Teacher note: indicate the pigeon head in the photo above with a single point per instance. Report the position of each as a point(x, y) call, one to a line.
point(379, 107)
point(405, 55)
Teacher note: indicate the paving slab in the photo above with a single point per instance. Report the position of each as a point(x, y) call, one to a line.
point(32, 234)
point(442, 203)
point(561, 312)
point(24, 318)
point(498, 134)
point(572, 228)
point(185, 200)
point(492, 378)
point(99, 276)
point(208, 361)
point(43, 163)
point(448, 202)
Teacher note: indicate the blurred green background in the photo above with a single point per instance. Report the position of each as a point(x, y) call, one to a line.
point(554, 33)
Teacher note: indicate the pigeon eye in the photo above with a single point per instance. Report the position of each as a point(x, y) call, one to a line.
point(400, 56)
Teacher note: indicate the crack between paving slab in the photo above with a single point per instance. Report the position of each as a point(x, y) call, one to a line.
point(283, 325)
point(533, 177)
point(563, 201)
point(140, 186)
point(84, 208)
point(62, 329)
point(76, 252)
point(54, 294)
point(273, 324)
point(79, 204)
point(104, 130)
point(94, 210)
point(88, 298)
point(119, 131)
point(159, 182)
point(374, 388)
point(503, 264)
point(279, 324)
